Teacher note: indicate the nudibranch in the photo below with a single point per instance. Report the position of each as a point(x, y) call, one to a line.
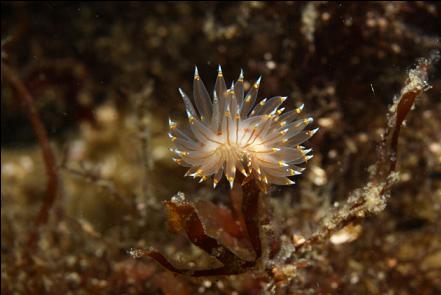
point(230, 132)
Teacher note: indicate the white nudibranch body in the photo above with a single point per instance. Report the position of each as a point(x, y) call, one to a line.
point(231, 133)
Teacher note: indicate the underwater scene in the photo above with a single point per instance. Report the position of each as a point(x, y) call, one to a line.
point(221, 148)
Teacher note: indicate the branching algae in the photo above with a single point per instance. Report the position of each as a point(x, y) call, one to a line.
point(231, 133)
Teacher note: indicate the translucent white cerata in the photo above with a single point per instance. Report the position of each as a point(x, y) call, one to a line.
point(230, 132)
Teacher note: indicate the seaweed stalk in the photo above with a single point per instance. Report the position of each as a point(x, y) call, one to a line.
point(373, 196)
point(52, 185)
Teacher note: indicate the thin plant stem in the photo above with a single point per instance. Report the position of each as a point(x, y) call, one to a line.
point(52, 185)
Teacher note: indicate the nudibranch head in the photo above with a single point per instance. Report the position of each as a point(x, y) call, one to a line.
point(230, 132)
